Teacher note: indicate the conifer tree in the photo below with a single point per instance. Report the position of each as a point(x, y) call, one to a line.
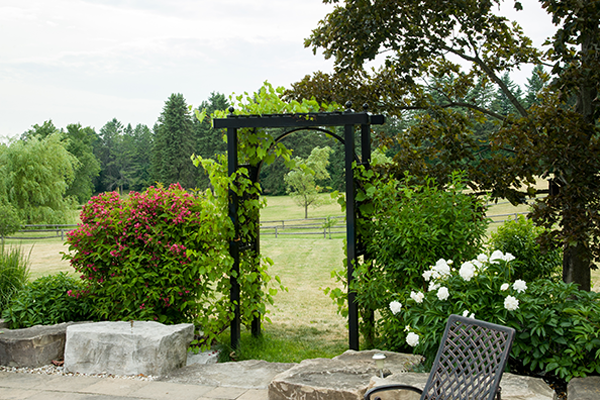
point(174, 144)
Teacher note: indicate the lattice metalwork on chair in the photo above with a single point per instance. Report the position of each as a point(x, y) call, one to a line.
point(469, 363)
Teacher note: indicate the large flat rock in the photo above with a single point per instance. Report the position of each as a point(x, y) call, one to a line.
point(587, 388)
point(514, 387)
point(345, 377)
point(33, 347)
point(250, 374)
point(348, 376)
point(125, 348)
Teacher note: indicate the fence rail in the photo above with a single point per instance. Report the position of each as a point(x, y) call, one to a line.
point(288, 227)
point(58, 230)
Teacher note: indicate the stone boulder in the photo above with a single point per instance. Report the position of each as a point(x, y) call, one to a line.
point(514, 387)
point(127, 348)
point(33, 347)
point(345, 377)
point(348, 376)
point(587, 388)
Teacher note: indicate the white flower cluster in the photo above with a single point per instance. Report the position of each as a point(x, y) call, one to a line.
point(437, 275)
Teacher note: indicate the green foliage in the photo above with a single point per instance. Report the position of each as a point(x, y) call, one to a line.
point(39, 169)
point(557, 325)
point(174, 144)
point(9, 220)
point(48, 300)
point(152, 256)
point(80, 144)
point(408, 227)
point(558, 330)
point(14, 273)
point(556, 137)
point(520, 238)
point(301, 180)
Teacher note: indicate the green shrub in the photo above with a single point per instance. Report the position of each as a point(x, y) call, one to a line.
point(163, 255)
point(519, 237)
point(558, 326)
point(46, 301)
point(558, 330)
point(14, 273)
point(409, 227)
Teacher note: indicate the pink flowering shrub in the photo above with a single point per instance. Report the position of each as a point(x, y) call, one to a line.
point(158, 255)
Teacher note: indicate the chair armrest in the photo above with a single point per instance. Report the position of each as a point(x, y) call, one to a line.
point(390, 387)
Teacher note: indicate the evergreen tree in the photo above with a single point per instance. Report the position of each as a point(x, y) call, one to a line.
point(534, 86)
point(106, 149)
point(174, 144)
point(141, 138)
point(209, 141)
point(502, 104)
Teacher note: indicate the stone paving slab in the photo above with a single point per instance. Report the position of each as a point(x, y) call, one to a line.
point(163, 390)
point(16, 393)
point(114, 387)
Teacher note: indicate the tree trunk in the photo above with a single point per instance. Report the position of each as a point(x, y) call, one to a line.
point(576, 267)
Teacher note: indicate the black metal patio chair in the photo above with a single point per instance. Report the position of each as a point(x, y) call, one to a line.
point(468, 365)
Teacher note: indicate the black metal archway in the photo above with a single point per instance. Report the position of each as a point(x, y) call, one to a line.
point(349, 120)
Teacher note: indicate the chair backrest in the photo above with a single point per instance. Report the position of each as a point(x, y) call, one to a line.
point(470, 360)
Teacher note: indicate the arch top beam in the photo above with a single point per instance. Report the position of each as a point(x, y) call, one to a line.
point(300, 120)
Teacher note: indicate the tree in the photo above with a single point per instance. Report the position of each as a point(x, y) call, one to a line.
point(534, 85)
point(174, 144)
point(80, 144)
point(141, 141)
point(106, 149)
point(301, 180)
point(39, 173)
point(552, 140)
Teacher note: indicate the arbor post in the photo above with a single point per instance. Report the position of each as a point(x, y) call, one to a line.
point(234, 244)
point(353, 337)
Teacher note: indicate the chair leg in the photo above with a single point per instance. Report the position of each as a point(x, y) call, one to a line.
point(498, 393)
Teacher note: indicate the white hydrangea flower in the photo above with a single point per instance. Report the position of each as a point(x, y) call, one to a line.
point(395, 307)
point(508, 257)
point(427, 275)
point(520, 286)
point(496, 255)
point(442, 267)
point(417, 296)
point(482, 258)
point(443, 293)
point(504, 286)
point(511, 303)
point(467, 271)
point(412, 339)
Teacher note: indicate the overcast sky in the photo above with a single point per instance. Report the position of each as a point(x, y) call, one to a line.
point(89, 61)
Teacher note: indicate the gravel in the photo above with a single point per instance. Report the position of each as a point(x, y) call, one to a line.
point(54, 370)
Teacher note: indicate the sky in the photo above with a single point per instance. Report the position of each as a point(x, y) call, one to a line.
point(89, 61)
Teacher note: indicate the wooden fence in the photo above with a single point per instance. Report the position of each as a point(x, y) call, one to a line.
point(325, 227)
